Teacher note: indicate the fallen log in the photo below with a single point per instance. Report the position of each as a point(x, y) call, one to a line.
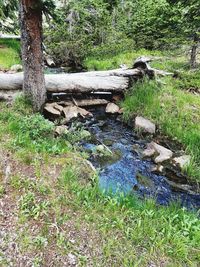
point(118, 80)
point(112, 80)
point(84, 102)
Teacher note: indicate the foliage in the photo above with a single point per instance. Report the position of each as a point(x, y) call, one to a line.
point(32, 131)
point(79, 26)
point(98, 28)
point(8, 15)
point(30, 207)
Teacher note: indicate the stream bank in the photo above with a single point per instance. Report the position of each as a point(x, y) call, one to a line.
point(116, 152)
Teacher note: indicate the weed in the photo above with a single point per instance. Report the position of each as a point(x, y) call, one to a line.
point(2, 190)
point(40, 242)
point(30, 207)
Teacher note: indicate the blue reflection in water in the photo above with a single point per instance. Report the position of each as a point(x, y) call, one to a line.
point(121, 176)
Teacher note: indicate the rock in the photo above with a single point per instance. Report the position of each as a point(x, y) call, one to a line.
point(61, 130)
point(55, 106)
point(16, 68)
point(108, 142)
point(58, 107)
point(181, 187)
point(182, 161)
point(149, 151)
point(51, 111)
point(117, 98)
point(145, 125)
point(158, 169)
point(73, 112)
point(72, 259)
point(112, 108)
point(137, 149)
point(155, 149)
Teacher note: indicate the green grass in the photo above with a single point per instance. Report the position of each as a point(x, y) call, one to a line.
point(105, 63)
point(9, 53)
point(58, 208)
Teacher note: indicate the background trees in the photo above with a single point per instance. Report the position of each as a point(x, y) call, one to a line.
point(81, 28)
point(117, 25)
point(75, 30)
point(8, 15)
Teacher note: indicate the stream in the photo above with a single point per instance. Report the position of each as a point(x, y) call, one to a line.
point(125, 171)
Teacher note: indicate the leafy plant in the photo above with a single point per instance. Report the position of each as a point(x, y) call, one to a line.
point(30, 207)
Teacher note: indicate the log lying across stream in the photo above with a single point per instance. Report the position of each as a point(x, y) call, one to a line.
point(85, 82)
point(112, 81)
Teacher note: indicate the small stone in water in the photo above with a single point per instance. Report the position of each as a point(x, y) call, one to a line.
point(108, 142)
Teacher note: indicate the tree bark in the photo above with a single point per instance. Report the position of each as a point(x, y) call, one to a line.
point(32, 57)
point(193, 58)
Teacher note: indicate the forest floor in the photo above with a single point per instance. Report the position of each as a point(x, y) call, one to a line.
point(51, 210)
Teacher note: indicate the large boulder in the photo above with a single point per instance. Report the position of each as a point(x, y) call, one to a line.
point(161, 153)
point(145, 125)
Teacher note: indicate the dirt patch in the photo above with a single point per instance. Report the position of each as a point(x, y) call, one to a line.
point(46, 242)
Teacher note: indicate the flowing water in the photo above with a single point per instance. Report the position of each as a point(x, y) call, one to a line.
point(126, 171)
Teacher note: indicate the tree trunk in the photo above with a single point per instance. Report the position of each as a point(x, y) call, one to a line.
point(32, 57)
point(193, 58)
